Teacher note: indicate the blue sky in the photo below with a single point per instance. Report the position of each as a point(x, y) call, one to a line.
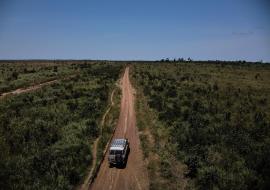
point(135, 29)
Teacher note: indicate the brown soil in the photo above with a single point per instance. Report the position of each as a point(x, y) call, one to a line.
point(134, 175)
point(28, 89)
point(34, 87)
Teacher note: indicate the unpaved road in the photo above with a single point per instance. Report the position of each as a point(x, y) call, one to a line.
point(33, 87)
point(134, 175)
point(28, 89)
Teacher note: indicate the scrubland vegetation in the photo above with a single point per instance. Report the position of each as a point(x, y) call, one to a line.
point(204, 126)
point(46, 135)
point(18, 74)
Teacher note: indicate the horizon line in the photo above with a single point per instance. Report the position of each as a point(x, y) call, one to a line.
point(139, 60)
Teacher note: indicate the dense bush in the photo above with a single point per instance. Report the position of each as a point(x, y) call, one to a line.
point(46, 135)
point(217, 116)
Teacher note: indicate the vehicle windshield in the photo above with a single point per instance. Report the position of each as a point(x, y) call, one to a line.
point(114, 152)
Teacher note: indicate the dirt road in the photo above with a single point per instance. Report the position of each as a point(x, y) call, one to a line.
point(28, 89)
point(134, 175)
point(33, 87)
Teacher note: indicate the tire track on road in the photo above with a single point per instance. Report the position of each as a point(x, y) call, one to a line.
point(135, 175)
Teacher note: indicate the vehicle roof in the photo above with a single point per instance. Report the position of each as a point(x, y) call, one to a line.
point(118, 144)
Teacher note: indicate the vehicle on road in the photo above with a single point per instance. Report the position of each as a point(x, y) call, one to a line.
point(118, 152)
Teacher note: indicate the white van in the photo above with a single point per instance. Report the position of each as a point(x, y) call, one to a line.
point(118, 152)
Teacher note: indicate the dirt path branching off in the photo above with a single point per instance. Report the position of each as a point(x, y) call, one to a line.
point(33, 87)
point(89, 178)
point(28, 89)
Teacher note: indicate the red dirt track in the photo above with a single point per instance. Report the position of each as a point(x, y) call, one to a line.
point(134, 175)
point(28, 89)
